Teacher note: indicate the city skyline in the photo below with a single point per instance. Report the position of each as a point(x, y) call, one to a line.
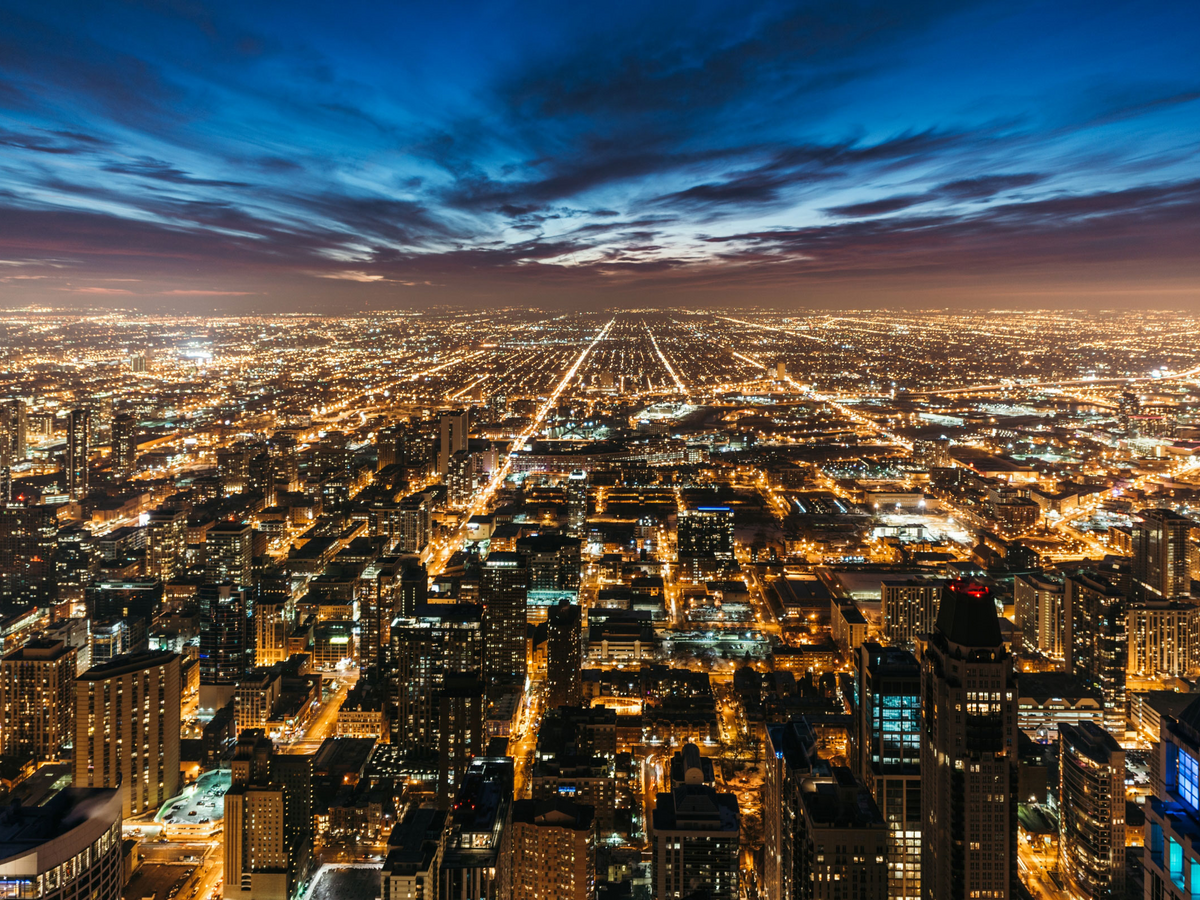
point(278, 158)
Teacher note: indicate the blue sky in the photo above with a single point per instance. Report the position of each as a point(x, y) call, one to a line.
point(278, 156)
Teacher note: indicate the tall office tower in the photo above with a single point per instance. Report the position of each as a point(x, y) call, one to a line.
point(504, 590)
point(554, 564)
point(1096, 644)
point(124, 446)
point(414, 451)
point(233, 464)
point(554, 845)
point(1091, 842)
point(1160, 554)
point(79, 442)
point(454, 427)
point(266, 855)
point(37, 700)
point(564, 655)
point(166, 544)
point(887, 749)
point(477, 864)
point(696, 843)
point(416, 523)
point(76, 563)
point(1172, 857)
point(229, 548)
point(28, 548)
point(577, 502)
point(841, 841)
point(436, 659)
point(1164, 637)
point(1040, 614)
point(910, 607)
point(706, 531)
point(127, 729)
point(224, 643)
point(968, 752)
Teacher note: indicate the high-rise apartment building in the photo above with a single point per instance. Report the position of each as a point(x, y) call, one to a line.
point(124, 446)
point(79, 442)
point(696, 843)
point(28, 548)
point(968, 752)
point(266, 854)
point(477, 864)
point(1164, 637)
point(1096, 643)
point(909, 607)
point(415, 529)
point(564, 655)
point(229, 548)
point(887, 750)
point(1160, 554)
point(37, 700)
point(553, 850)
point(127, 729)
point(1040, 614)
point(453, 427)
point(504, 591)
point(166, 544)
point(577, 502)
point(1091, 841)
point(225, 650)
point(706, 531)
point(841, 841)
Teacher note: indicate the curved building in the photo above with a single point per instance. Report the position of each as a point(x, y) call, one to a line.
point(67, 849)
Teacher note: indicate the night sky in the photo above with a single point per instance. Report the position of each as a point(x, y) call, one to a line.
point(278, 156)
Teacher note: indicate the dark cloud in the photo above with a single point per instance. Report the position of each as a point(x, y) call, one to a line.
point(158, 170)
point(985, 186)
point(878, 207)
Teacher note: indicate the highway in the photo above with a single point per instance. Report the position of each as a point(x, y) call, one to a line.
point(480, 505)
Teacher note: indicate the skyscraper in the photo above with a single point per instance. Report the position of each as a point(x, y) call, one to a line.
point(553, 843)
point(909, 608)
point(79, 441)
point(124, 446)
point(706, 531)
point(564, 655)
point(166, 543)
point(1096, 643)
point(230, 550)
point(127, 729)
point(841, 841)
point(696, 843)
point(224, 643)
point(504, 589)
point(37, 700)
point(888, 755)
point(1172, 857)
point(1040, 614)
point(1160, 554)
point(454, 427)
point(968, 752)
point(478, 858)
point(1091, 843)
point(265, 854)
point(577, 502)
point(28, 548)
